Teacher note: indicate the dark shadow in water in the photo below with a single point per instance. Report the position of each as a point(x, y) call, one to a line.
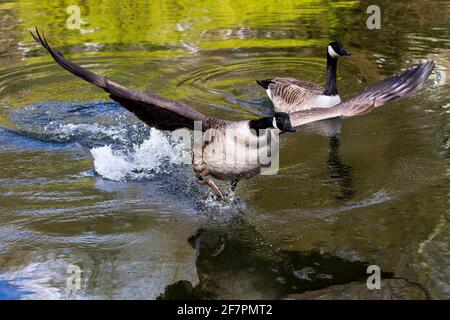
point(234, 261)
point(339, 172)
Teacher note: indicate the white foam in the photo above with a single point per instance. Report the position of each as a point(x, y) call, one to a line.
point(143, 161)
point(70, 129)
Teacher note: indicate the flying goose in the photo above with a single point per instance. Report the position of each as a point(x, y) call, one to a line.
point(208, 160)
point(235, 138)
point(290, 95)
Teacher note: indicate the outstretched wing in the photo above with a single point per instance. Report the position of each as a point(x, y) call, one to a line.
point(154, 110)
point(375, 95)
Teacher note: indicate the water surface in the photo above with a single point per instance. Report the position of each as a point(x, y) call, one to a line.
point(83, 182)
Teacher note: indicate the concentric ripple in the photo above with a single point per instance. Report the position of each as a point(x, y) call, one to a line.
point(231, 86)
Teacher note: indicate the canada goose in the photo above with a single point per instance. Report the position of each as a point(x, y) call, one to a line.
point(208, 159)
point(290, 95)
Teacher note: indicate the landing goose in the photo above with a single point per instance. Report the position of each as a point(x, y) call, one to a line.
point(208, 159)
point(229, 150)
point(290, 95)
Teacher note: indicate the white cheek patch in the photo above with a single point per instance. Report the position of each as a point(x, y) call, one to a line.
point(331, 52)
point(274, 123)
point(269, 93)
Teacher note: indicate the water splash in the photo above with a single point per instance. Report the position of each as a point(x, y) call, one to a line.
point(122, 147)
point(87, 123)
point(154, 156)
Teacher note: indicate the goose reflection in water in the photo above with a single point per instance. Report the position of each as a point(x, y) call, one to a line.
point(235, 261)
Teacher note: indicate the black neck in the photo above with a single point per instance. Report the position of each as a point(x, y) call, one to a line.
point(331, 88)
point(261, 123)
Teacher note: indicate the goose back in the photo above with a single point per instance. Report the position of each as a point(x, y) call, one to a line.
point(291, 95)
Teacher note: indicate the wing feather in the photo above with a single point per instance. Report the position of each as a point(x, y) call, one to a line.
point(374, 96)
point(156, 111)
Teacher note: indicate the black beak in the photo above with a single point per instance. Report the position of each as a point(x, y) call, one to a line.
point(289, 129)
point(345, 52)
